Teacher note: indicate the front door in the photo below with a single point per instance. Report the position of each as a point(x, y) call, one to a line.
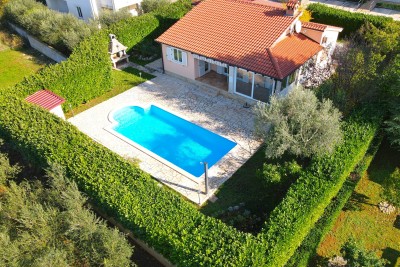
point(204, 67)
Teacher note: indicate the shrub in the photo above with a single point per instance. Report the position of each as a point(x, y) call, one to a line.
point(391, 188)
point(349, 21)
point(357, 256)
point(109, 17)
point(393, 127)
point(152, 5)
point(299, 125)
point(280, 173)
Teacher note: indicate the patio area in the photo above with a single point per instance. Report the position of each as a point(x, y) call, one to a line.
point(214, 79)
point(200, 105)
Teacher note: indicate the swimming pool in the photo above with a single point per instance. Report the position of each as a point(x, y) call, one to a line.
point(171, 138)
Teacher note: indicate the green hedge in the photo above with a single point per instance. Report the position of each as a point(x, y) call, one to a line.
point(309, 246)
point(292, 220)
point(84, 76)
point(349, 21)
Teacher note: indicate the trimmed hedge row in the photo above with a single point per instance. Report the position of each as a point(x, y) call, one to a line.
point(292, 220)
point(349, 21)
point(162, 219)
point(310, 244)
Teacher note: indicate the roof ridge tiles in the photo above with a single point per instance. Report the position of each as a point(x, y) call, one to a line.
point(275, 63)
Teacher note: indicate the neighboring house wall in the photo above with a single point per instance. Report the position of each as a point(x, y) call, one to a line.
point(59, 5)
point(83, 9)
point(187, 70)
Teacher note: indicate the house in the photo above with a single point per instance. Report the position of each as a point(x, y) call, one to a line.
point(89, 9)
point(248, 48)
point(49, 101)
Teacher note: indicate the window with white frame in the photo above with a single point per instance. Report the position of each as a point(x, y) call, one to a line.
point(177, 55)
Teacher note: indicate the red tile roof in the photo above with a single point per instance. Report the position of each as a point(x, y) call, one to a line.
point(231, 31)
point(45, 99)
point(291, 4)
point(318, 26)
point(285, 61)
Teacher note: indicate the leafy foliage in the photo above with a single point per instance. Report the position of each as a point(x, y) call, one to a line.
point(393, 127)
point(42, 226)
point(357, 256)
point(109, 17)
point(62, 31)
point(349, 21)
point(152, 5)
point(391, 188)
point(280, 173)
point(299, 125)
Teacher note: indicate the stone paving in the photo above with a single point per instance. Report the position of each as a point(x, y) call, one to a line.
point(202, 106)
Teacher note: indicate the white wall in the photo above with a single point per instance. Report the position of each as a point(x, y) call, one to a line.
point(58, 112)
point(59, 5)
point(89, 8)
point(118, 4)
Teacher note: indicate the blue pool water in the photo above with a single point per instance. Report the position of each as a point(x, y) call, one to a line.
point(174, 139)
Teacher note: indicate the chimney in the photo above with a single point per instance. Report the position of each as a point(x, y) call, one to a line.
point(292, 7)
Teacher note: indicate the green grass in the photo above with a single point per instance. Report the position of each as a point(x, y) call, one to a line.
point(17, 64)
point(246, 187)
point(388, 6)
point(122, 81)
point(367, 224)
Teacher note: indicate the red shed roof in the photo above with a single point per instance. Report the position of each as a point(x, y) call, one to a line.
point(240, 33)
point(46, 99)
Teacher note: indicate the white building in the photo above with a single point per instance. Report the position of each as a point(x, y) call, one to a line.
point(87, 9)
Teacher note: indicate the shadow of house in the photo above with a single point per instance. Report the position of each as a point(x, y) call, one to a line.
point(392, 255)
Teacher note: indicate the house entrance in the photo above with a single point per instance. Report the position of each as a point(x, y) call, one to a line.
point(204, 67)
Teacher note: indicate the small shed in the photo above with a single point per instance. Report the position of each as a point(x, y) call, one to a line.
point(48, 100)
point(117, 51)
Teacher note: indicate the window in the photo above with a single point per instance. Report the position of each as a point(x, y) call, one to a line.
point(226, 70)
point(176, 55)
point(324, 40)
point(79, 11)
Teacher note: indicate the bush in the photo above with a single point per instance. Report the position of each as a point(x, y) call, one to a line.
point(393, 127)
point(280, 173)
point(391, 188)
point(109, 17)
point(298, 124)
point(62, 31)
point(357, 256)
point(152, 5)
point(349, 21)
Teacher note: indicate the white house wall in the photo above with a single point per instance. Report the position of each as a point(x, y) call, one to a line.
point(89, 8)
point(59, 5)
point(58, 112)
point(118, 4)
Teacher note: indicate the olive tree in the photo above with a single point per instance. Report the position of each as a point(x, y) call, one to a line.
point(298, 124)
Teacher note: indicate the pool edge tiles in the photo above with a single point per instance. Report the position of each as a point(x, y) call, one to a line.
point(200, 138)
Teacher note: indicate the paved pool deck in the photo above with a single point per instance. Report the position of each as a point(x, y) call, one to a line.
point(200, 105)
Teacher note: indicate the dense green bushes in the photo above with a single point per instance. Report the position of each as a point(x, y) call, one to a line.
point(307, 198)
point(62, 31)
point(349, 21)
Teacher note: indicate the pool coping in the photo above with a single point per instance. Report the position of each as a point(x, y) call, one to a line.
point(195, 179)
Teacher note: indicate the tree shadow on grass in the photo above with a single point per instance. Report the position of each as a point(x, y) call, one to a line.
point(356, 201)
point(392, 255)
point(396, 223)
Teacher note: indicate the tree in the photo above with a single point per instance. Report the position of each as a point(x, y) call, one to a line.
point(357, 256)
point(393, 127)
point(298, 124)
point(50, 226)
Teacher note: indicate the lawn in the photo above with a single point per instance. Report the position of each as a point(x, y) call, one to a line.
point(17, 64)
point(242, 200)
point(370, 227)
point(122, 81)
